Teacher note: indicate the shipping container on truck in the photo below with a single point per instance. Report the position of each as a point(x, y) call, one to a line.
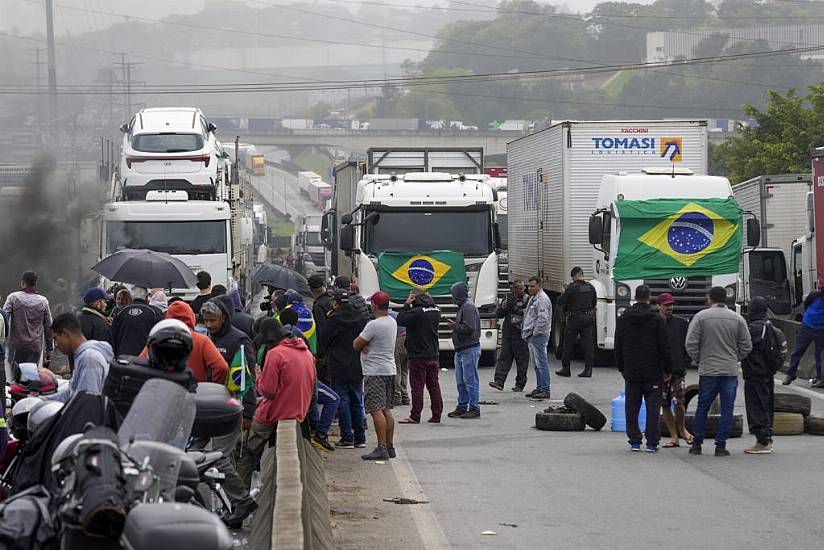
point(779, 203)
point(554, 179)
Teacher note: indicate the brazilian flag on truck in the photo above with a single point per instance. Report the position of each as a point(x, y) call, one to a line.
point(435, 271)
point(663, 238)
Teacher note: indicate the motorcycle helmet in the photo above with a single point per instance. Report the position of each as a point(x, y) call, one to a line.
point(20, 415)
point(65, 449)
point(40, 413)
point(169, 345)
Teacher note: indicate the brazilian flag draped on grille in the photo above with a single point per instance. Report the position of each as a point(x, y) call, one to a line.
point(663, 238)
point(434, 271)
point(240, 379)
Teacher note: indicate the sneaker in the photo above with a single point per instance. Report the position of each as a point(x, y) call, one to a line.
point(759, 449)
point(360, 444)
point(435, 420)
point(495, 385)
point(518, 389)
point(720, 450)
point(817, 384)
point(457, 413)
point(651, 449)
point(788, 379)
point(530, 394)
point(471, 413)
point(240, 512)
point(635, 447)
point(321, 442)
point(563, 372)
point(390, 450)
point(345, 444)
point(695, 449)
point(539, 395)
point(379, 453)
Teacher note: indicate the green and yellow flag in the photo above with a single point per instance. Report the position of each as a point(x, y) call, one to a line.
point(240, 379)
point(663, 238)
point(434, 271)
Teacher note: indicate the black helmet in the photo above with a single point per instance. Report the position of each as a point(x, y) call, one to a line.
point(169, 345)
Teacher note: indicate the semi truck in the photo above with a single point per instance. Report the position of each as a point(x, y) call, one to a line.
point(566, 188)
point(420, 217)
point(314, 257)
point(778, 202)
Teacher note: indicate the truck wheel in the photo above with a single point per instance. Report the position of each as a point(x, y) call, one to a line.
point(559, 419)
point(785, 423)
point(690, 393)
point(814, 425)
point(786, 402)
point(594, 418)
point(556, 337)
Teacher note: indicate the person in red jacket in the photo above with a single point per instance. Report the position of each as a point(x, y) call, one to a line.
point(286, 384)
point(206, 362)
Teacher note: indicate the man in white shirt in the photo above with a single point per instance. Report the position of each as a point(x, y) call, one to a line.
point(377, 346)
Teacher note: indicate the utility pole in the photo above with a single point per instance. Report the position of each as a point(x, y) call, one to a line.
point(52, 63)
point(39, 82)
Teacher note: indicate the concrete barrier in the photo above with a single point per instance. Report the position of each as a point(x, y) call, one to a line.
point(293, 504)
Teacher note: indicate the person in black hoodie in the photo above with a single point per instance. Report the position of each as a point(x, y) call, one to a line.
point(421, 317)
point(513, 345)
point(642, 355)
point(93, 320)
point(759, 392)
point(342, 327)
point(131, 326)
point(217, 317)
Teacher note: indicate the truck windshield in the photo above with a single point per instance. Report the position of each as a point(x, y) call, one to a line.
point(466, 231)
point(313, 239)
point(167, 143)
point(201, 237)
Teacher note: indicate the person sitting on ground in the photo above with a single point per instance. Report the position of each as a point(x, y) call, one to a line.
point(91, 357)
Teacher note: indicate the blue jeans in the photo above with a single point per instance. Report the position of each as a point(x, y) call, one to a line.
point(466, 375)
point(708, 388)
point(328, 401)
point(350, 411)
point(803, 339)
point(537, 353)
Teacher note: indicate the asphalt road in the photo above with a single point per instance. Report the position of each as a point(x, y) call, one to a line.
point(539, 489)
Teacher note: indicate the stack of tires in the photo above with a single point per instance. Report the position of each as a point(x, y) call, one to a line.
point(574, 416)
point(792, 415)
point(713, 418)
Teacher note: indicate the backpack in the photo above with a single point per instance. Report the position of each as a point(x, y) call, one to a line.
point(775, 346)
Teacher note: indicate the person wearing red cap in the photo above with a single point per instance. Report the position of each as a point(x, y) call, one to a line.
point(377, 346)
point(674, 387)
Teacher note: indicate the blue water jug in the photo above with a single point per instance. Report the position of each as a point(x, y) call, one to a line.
point(619, 420)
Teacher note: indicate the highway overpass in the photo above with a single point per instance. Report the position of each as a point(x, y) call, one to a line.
point(493, 142)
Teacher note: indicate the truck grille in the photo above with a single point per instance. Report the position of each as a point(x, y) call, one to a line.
point(689, 301)
point(318, 258)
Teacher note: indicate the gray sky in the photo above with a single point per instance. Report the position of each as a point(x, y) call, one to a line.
point(27, 16)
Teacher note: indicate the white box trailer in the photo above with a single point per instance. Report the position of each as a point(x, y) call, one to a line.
point(554, 177)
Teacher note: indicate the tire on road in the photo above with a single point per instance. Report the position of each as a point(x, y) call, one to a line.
point(786, 402)
point(594, 418)
point(814, 425)
point(713, 423)
point(785, 423)
point(690, 393)
point(559, 420)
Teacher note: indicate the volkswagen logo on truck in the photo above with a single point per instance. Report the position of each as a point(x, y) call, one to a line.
point(678, 284)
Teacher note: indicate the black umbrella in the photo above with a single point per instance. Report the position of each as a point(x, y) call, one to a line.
point(146, 268)
point(279, 277)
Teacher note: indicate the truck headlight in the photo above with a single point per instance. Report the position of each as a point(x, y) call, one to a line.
point(622, 291)
point(730, 292)
point(488, 324)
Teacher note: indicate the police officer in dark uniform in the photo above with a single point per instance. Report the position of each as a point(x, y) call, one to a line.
point(578, 302)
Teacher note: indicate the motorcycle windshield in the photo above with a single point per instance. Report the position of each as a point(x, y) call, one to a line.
point(163, 411)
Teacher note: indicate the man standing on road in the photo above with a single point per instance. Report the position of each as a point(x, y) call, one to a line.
point(401, 395)
point(674, 387)
point(377, 346)
point(536, 330)
point(644, 359)
point(513, 346)
point(421, 317)
point(466, 339)
point(718, 338)
point(811, 331)
point(579, 301)
point(131, 327)
point(204, 285)
point(93, 319)
point(759, 386)
point(29, 322)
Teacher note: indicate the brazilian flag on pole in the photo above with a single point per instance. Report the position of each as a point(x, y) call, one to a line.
point(306, 324)
point(240, 380)
point(663, 238)
point(434, 271)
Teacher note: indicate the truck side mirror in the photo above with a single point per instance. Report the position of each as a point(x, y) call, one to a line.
point(124, 128)
point(753, 232)
point(211, 127)
point(596, 230)
point(496, 235)
point(347, 238)
point(346, 219)
point(326, 224)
